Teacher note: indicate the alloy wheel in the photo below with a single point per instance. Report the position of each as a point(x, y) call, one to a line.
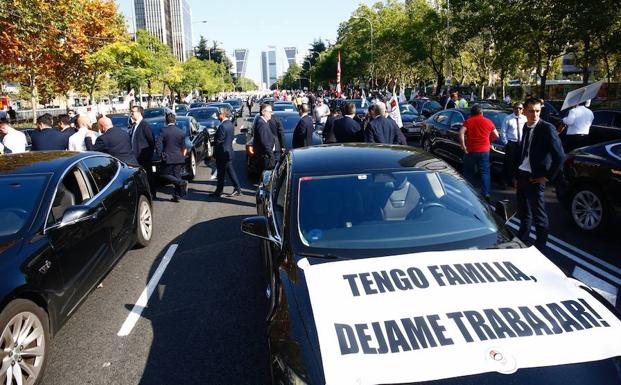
point(22, 349)
point(587, 210)
point(146, 220)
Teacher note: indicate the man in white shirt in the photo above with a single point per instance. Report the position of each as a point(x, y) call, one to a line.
point(510, 136)
point(321, 112)
point(578, 123)
point(14, 141)
point(76, 141)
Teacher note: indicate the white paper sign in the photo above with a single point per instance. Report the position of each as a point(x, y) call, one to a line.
point(435, 315)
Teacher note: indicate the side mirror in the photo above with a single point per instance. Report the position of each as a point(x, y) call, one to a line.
point(257, 227)
point(504, 209)
point(75, 214)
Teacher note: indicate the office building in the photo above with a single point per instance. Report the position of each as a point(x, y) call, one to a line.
point(291, 54)
point(241, 60)
point(269, 67)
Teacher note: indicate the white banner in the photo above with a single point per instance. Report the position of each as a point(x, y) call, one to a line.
point(394, 111)
point(428, 316)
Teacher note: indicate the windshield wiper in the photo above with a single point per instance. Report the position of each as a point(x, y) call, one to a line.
point(321, 255)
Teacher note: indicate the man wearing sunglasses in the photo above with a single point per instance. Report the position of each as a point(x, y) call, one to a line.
point(511, 135)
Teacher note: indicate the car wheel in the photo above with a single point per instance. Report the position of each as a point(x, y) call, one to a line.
point(144, 222)
point(588, 209)
point(192, 169)
point(23, 342)
point(427, 145)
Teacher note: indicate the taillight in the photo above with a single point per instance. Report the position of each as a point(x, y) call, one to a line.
point(249, 150)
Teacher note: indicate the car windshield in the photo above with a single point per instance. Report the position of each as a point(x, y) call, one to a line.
point(289, 122)
point(152, 113)
point(432, 105)
point(408, 109)
point(283, 107)
point(20, 200)
point(209, 113)
point(234, 103)
point(391, 210)
point(497, 117)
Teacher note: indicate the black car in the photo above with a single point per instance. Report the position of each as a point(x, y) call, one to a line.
point(181, 109)
point(284, 106)
point(206, 117)
point(289, 121)
point(412, 121)
point(606, 126)
point(198, 142)
point(336, 204)
point(441, 135)
point(120, 121)
point(591, 190)
point(427, 107)
point(237, 105)
point(226, 104)
point(156, 112)
point(198, 105)
point(65, 220)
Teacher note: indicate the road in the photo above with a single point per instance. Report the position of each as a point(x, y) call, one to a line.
point(204, 321)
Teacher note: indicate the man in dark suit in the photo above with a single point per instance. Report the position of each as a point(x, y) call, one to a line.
point(143, 144)
point(303, 133)
point(380, 129)
point(113, 141)
point(172, 144)
point(347, 129)
point(46, 138)
point(263, 139)
point(279, 136)
point(224, 153)
point(541, 157)
point(64, 126)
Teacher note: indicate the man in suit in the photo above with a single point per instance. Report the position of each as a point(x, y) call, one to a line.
point(279, 136)
point(171, 147)
point(113, 141)
point(303, 133)
point(541, 157)
point(224, 153)
point(263, 139)
point(65, 127)
point(143, 144)
point(381, 129)
point(45, 138)
point(347, 129)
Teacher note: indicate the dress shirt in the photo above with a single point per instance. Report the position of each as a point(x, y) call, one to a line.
point(525, 166)
point(15, 141)
point(321, 113)
point(76, 141)
point(579, 121)
point(511, 129)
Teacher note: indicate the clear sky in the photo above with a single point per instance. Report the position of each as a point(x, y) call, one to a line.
point(255, 24)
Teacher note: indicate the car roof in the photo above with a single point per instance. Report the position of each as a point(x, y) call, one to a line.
point(157, 118)
point(39, 162)
point(286, 114)
point(351, 158)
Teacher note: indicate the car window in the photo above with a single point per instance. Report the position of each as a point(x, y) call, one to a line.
point(443, 117)
point(204, 114)
point(408, 109)
point(457, 117)
point(102, 169)
point(497, 117)
point(74, 189)
point(280, 195)
point(21, 196)
point(385, 210)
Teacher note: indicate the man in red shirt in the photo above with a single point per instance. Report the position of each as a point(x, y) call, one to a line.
point(475, 138)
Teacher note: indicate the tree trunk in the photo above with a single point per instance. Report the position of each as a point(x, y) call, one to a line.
point(34, 101)
point(149, 94)
point(586, 61)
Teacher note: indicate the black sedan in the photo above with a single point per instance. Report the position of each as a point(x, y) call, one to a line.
point(591, 190)
point(427, 107)
point(289, 121)
point(65, 219)
point(234, 114)
point(441, 135)
point(198, 142)
point(353, 203)
point(181, 109)
point(412, 121)
point(206, 117)
point(156, 112)
point(237, 105)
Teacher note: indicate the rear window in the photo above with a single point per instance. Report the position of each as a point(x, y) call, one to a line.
point(153, 113)
point(21, 196)
point(204, 114)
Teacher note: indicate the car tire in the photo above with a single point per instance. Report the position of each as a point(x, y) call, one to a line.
point(588, 208)
point(427, 145)
point(27, 351)
point(144, 222)
point(192, 167)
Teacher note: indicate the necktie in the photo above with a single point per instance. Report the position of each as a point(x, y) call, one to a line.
point(517, 128)
point(525, 144)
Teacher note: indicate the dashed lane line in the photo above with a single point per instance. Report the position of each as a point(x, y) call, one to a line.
point(134, 315)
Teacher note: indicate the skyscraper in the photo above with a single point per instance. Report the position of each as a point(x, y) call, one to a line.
point(241, 59)
point(291, 54)
point(269, 68)
point(168, 20)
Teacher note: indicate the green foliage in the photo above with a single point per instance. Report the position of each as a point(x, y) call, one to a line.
point(291, 79)
point(246, 84)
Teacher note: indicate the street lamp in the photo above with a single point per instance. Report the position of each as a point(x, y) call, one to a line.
point(372, 60)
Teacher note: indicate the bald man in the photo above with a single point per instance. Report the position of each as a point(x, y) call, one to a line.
point(113, 140)
point(77, 141)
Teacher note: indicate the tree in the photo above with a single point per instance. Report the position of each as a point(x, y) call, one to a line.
point(316, 48)
point(201, 51)
point(291, 79)
point(247, 84)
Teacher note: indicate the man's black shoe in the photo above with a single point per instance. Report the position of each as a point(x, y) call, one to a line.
point(235, 193)
point(175, 199)
point(215, 194)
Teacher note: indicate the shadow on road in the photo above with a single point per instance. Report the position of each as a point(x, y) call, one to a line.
point(208, 311)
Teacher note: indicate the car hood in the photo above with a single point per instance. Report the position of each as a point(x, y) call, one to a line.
point(598, 371)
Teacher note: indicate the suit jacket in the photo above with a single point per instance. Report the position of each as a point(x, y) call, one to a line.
point(383, 130)
point(172, 143)
point(143, 144)
point(546, 153)
point(115, 142)
point(328, 129)
point(48, 139)
point(278, 131)
point(223, 149)
point(67, 133)
point(303, 133)
point(263, 138)
point(347, 130)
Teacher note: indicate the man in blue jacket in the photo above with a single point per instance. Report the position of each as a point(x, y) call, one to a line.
point(303, 133)
point(346, 129)
point(45, 138)
point(172, 144)
point(224, 153)
point(113, 141)
point(381, 129)
point(541, 156)
point(263, 139)
point(143, 144)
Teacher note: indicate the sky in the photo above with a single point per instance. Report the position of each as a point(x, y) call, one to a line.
point(255, 24)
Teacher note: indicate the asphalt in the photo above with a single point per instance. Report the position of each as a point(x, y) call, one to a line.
point(204, 323)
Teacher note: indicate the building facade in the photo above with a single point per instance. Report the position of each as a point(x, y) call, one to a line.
point(241, 60)
point(269, 66)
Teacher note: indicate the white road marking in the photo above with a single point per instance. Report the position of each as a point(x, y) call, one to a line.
point(134, 315)
point(593, 268)
point(575, 249)
point(604, 288)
